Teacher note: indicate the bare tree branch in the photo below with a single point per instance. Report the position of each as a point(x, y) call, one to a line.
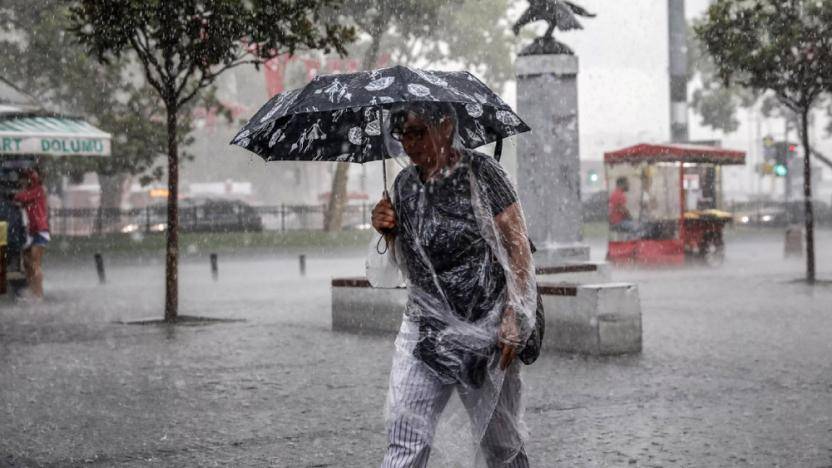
point(148, 66)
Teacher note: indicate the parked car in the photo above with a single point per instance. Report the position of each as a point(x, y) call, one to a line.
point(770, 216)
point(200, 215)
point(216, 215)
point(780, 213)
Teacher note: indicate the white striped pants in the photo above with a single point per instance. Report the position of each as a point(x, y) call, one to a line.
point(416, 400)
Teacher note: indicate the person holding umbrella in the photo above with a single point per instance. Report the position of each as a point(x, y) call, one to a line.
point(453, 225)
point(457, 229)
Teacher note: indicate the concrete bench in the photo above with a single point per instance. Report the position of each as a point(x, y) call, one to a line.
point(591, 319)
point(358, 306)
point(595, 319)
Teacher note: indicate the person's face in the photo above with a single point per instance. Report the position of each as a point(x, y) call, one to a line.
point(625, 185)
point(421, 140)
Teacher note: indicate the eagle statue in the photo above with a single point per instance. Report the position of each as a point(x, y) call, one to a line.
point(560, 14)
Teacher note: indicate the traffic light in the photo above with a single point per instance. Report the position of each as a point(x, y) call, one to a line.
point(784, 152)
point(592, 177)
point(781, 170)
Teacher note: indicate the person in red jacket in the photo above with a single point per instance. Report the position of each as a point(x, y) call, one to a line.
point(619, 216)
point(33, 200)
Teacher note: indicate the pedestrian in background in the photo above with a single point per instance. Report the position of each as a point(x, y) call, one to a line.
point(33, 199)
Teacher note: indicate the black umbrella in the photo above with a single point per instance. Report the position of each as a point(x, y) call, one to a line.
point(339, 117)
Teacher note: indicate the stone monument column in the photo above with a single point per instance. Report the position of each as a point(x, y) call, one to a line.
point(548, 160)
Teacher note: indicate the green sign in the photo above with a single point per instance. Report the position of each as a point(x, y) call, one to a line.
point(71, 146)
point(51, 135)
point(57, 146)
point(10, 144)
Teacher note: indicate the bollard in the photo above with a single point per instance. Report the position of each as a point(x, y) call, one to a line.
point(302, 261)
point(99, 268)
point(215, 273)
point(793, 246)
point(3, 237)
point(2, 269)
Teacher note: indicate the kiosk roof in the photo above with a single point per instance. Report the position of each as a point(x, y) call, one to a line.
point(644, 152)
point(28, 133)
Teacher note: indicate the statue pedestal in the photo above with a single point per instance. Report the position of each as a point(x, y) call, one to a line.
point(548, 164)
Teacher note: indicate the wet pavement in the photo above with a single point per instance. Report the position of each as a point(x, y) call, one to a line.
point(736, 370)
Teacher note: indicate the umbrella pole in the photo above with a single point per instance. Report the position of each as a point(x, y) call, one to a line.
point(384, 176)
point(386, 233)
point(383, 162)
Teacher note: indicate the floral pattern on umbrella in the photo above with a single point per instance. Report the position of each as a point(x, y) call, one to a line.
point(337, 117)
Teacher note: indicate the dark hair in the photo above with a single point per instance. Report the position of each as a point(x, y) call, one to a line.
point(621, 181)
point(432, 112)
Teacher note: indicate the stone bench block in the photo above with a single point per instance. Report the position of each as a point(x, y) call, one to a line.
point(594, 319)
point(597, 319)
point(358, 306)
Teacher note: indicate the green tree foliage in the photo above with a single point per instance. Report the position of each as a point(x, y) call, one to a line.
point(475, 34)
point(784, 47)
point(717, 103)
point(714, 101)
point(409, 19)
point(184, 45)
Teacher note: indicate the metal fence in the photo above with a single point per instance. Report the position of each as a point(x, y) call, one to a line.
point(245, 218)
point(237, 218)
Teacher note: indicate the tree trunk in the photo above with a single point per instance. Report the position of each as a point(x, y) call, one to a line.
point(808, 214)
point(112, 189)
point(338, 195)
point(337, 198)
point(171, 252)
point(112, 194)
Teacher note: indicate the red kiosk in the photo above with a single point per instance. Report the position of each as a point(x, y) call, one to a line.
point(664, 203)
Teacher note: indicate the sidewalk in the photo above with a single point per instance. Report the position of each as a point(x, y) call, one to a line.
point(736, 371)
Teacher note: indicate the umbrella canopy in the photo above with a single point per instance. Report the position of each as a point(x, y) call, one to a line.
point(341, 117)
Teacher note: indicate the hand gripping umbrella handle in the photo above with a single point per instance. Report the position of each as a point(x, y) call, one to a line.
point(384, 194)
point(386, 233)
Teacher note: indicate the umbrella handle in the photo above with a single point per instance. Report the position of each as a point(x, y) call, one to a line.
point(498, 149)
point(383, 162)
point(385, 195)
point(384, 176)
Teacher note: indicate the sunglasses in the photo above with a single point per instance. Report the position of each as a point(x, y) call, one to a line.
point(409, 134)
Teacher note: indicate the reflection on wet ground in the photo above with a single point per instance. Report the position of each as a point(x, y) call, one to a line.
point(735, 370)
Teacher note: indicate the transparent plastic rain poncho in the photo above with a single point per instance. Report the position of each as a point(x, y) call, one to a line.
point(462, 246)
